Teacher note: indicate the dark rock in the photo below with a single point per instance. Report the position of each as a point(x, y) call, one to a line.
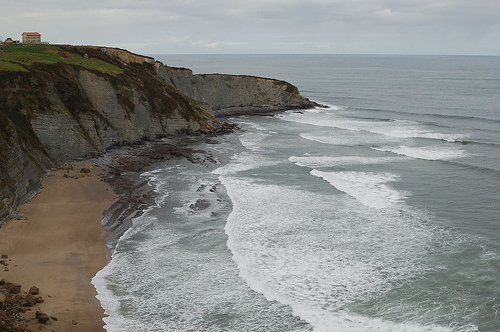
point(211, 141)
point(74, 322)
point(11, 287)
point(4, 256)
point(43, 318)
point(34, 290)
point(200, 204)
point(145, 200)
point(28, 301)
point(67, 167)
point(85, 170)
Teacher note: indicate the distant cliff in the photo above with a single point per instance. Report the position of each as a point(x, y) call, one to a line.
point(235, 94)
point(61, 103)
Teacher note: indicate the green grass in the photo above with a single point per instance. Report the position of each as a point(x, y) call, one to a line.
point(20, 57)
point(6, 65)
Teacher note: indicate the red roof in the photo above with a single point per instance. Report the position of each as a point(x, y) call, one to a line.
point(31, 33)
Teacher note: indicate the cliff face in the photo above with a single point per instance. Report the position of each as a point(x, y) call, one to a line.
point(235, 94)
point(90, 99)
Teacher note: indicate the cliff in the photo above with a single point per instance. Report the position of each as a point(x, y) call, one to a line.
point(236, 94)
point(61, 103)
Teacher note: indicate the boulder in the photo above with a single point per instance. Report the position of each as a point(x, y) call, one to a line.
point(200, 204)
point(11, 287)
point(34, 290)
point(41, 317)
point(28, 301)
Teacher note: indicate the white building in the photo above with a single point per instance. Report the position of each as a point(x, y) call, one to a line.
point(32, 38)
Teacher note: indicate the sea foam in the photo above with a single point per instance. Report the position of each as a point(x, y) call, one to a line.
point(370, 189)
point(320, 252)
point(328, 161)
point(390, 128)
point(427, 152)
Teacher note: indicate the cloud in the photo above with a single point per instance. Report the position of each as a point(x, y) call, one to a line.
point(276, 26)
point(385, 12)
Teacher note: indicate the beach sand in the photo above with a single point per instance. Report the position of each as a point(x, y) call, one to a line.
point(59, 245)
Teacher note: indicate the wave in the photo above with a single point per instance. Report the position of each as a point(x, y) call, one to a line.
point(348, 138)
point(370, 189)
point(480, 168)
point(323, 252)
point(114, 319)
point(244, 161)
point(325, 161)
point(427, 152)
point(391, 128)
point(434, 115)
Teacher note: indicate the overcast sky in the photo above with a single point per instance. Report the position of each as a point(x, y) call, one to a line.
point(263, 26)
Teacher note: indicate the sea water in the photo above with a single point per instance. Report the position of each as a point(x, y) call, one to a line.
point(378, 213)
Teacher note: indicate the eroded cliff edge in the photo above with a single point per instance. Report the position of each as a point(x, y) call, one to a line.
point(235, 94)
point(61, 103)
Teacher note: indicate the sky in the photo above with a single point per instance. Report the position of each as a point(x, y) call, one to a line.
point(449, 27)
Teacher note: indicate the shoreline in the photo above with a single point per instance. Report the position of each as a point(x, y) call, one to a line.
point(66, 233)
point(58, 245)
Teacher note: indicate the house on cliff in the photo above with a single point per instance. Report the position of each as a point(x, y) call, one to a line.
point(32, 38)
point(11, 41)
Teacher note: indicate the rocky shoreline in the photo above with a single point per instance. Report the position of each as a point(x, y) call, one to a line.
point(125, 165)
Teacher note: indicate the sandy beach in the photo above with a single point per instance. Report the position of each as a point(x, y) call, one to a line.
point(59, 245)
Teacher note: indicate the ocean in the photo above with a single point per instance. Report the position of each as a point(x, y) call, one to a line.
point(379, 213)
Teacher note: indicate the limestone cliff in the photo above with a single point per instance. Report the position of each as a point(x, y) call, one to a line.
point(61, 103)
point(236, 94)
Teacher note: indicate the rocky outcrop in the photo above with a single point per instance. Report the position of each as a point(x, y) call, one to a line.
point(127, 57)
point(58, 112)
point(236, 94)
point(15, 307)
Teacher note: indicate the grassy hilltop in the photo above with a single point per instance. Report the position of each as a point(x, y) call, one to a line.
point(19, 58)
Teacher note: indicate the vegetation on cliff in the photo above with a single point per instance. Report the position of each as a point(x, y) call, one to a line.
point(19, 57)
